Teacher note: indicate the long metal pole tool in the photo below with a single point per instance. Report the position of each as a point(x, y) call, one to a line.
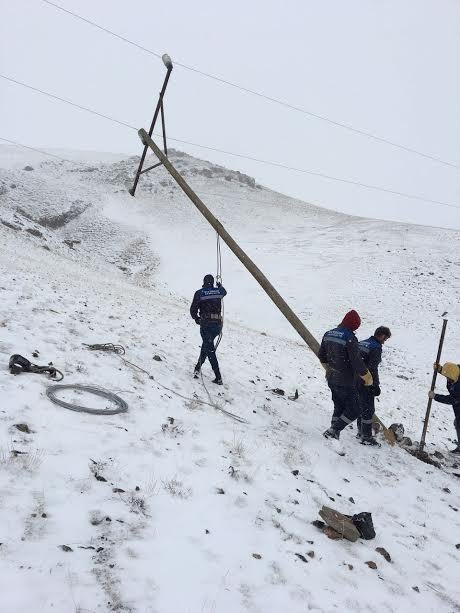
point(258, 275)
point(433, 383)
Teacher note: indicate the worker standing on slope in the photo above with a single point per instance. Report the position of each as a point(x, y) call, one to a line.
point(452, 373)
point(371, 352)
point(339, 355)
point(206, 310)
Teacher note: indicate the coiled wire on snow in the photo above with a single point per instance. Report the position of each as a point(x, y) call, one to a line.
point(121, 407)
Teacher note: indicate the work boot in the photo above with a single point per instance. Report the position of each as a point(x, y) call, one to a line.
point(331, 433)
point(370, 440)
point(197, 370)
point(218, 379)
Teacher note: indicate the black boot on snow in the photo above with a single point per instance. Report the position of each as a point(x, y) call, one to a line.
point(218, 379)
point(197, 370)
point(370, 440)
point(331, 433)
point(456, 451)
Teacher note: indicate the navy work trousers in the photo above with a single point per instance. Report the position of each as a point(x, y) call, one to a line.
point(346, 405)
point(209, 332)
point(367, 410)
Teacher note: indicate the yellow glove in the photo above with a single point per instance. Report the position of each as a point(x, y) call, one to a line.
point(367, 379)
point(437, 367)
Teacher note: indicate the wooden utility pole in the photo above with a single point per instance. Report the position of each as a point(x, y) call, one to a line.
point(258, 275)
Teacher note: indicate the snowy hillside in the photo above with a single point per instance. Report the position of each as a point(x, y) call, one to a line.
point(198, 512)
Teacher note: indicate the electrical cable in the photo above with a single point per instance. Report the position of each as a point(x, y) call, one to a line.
point(219, 280)
point(12, 142)
point(239, 155)
point(121, 405)
point(261, 95)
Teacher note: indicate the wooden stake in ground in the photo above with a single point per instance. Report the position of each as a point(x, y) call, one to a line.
point(433, 383)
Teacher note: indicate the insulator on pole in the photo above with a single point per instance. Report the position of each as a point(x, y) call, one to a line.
point(167, 61)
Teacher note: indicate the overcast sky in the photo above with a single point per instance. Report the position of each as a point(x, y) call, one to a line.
point(390, 67)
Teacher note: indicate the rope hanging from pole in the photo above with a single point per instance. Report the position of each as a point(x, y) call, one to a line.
point(219, 280)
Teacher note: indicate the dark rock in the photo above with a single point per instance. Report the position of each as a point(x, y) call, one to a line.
point(100, 478)
point(137, 488)
point(406, 442)
point(372, 565)
point(351, 499)
point(66, 548)
point(332, 534)
point(311, 554)
point(319, 524)
point(29, 168)
point(118, 490)
point(303, 558)
point(157, 358)
point(34, 232)
point(382, 551)
point(295, 472)
point(340, 523)
point(446, 489)
point(71, 243)
point(207, 531)
point(12, 226)
point(257, 556)
point(398, 430)
point(99, 549)
point(219, 490)
point(350, 566)
point(278, 391)
point(416, 589)
point(457, 545)
point(44, 515)
point(22, 428)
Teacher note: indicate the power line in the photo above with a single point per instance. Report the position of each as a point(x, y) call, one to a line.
point(78, 106)
point(238, 155)
point(261, 95)
point(13, 142)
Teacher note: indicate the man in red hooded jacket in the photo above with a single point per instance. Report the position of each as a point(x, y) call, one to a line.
point(339, 355)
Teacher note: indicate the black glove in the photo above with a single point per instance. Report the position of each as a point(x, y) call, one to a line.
point(376, 390)
point(219, 284)
point(197, 320)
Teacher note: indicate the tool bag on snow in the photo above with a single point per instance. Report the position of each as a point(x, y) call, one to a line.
point(18, 364)
point(365, 525)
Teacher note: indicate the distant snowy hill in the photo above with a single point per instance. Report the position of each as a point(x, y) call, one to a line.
point(198, 512)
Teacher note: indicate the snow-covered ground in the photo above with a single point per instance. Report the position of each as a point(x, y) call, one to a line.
point(211, 517)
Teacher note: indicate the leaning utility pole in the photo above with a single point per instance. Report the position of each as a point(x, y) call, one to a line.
point(258, 275)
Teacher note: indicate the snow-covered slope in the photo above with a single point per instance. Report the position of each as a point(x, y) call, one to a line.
point(83, 262)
